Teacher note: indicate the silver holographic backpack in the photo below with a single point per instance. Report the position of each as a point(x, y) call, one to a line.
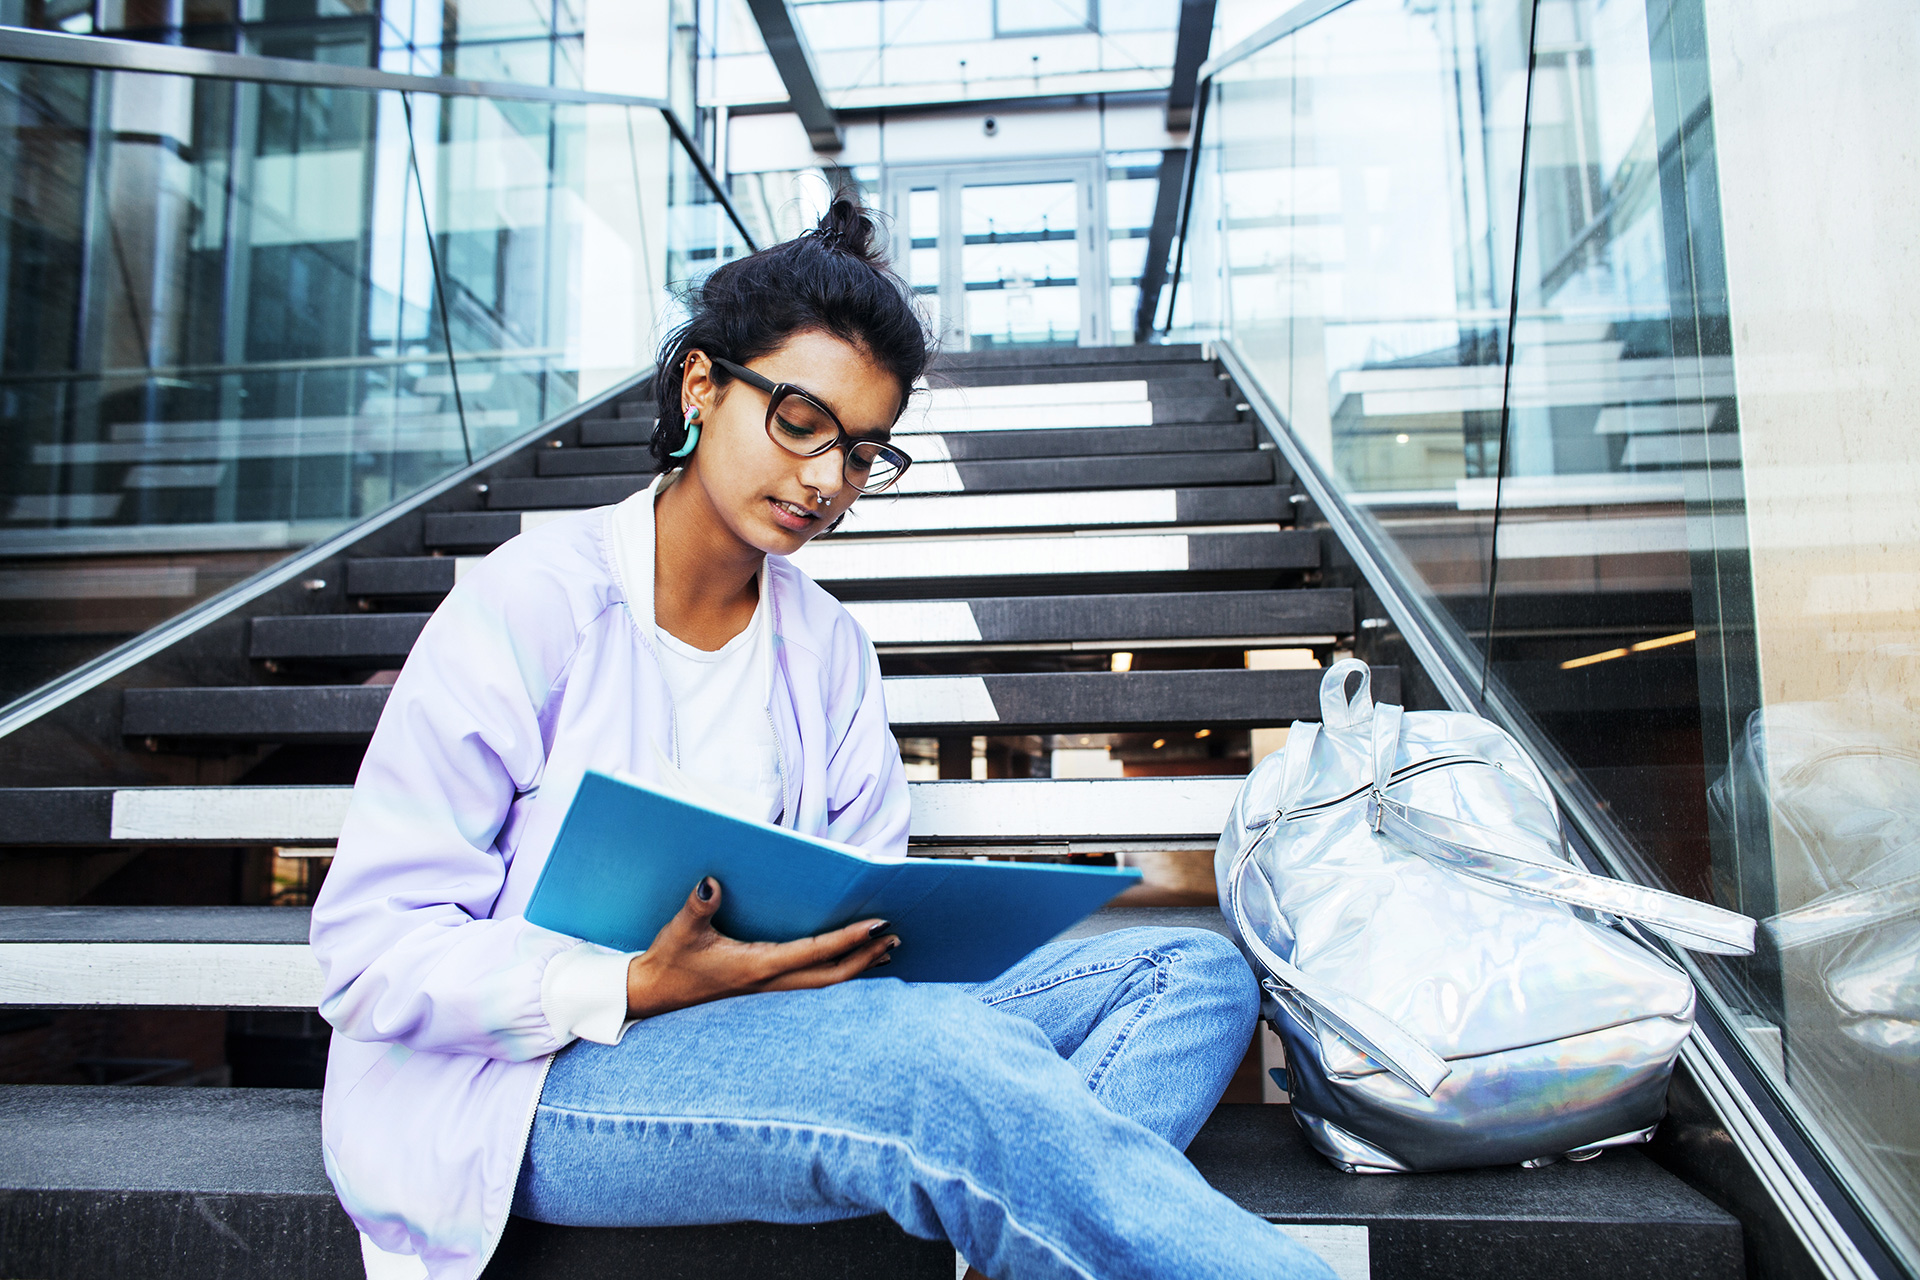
point(1451, 989)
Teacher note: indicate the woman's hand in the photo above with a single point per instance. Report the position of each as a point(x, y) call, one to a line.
point(691, 962)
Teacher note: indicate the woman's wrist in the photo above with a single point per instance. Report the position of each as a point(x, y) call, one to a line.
point(640, 987)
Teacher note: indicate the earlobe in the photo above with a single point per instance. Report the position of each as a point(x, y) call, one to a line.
point(693, 433)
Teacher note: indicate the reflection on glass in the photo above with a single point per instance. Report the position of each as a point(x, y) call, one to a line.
point(1670, 505)
point(1362, 205)
point(1020, 263)
point(230, 311)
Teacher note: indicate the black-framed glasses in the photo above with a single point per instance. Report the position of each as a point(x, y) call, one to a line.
point(800, 424)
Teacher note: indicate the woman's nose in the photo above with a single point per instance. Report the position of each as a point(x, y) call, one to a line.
point(825, 472)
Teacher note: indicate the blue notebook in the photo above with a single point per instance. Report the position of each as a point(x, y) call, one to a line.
point(628, 855)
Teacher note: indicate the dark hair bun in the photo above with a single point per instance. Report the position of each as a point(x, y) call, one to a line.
point(834, 279)
point(847, 227)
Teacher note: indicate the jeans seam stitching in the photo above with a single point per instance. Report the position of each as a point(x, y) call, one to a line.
point(1085, 971)
point(1099, 1071)
point(911, 1153)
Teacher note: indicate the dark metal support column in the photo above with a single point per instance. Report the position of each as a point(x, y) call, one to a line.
point(1166, 211)
point(794, 61)
point(1190, 50)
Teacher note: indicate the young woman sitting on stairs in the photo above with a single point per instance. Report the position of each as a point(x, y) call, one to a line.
point(484, 1066)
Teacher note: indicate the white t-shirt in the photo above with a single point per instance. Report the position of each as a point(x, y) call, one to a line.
point(728, 756)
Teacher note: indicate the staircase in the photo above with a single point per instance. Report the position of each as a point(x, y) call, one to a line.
point(1092, 607)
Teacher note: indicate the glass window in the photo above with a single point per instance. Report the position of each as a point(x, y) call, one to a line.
point(1030, 17)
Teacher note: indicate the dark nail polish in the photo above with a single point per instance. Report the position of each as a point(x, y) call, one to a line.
point(705, 889)
point(877, 929)
point(885, 959)
point(893, 944)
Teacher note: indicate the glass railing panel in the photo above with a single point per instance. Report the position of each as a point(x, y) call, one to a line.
point(194, 381)
point(242, 316)
point(1707, 551)
point(547, 290)
point(1352, 180)
point(1672, 498)
point(701, 231)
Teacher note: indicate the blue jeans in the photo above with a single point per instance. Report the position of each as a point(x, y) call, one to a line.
point(1035, 1121)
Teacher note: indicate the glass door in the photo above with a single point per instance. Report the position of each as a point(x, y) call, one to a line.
point(1005, 254)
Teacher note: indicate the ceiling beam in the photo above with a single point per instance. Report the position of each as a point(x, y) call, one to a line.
point(1189, 51)
point(794, 61)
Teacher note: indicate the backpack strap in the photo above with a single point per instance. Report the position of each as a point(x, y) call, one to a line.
point(1388, 1043)
point(1293, 763)
point(1499, 858)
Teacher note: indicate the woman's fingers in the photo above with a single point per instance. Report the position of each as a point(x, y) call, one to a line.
point(821, 949)
point(852, 965)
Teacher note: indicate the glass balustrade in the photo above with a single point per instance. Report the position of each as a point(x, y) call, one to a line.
point(1595, 312)
point(241, 316)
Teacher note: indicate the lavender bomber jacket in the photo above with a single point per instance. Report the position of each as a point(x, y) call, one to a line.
point(538, 666)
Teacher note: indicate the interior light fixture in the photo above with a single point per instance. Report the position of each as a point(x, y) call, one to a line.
point(1204, 733)
point(1659, 642)
point(1402, 438)
point(1123, 661)
point(1159, 743)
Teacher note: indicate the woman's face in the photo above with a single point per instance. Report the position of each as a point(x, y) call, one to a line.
point(768, 497)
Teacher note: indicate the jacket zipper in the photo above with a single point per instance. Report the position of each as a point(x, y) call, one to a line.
point(779, 762)
point(1394, 779)
point(526, 1136)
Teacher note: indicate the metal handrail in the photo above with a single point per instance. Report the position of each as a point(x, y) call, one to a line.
point(98, 53)
point(1301, 15)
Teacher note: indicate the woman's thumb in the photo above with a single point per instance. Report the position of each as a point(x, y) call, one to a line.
point(705, 898)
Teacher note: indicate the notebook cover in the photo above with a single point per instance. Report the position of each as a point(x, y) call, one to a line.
point(627, 856)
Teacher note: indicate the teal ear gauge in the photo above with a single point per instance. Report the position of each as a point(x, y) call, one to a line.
point(693, 433)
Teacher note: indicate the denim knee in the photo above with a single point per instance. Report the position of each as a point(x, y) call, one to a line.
point(1204, 968)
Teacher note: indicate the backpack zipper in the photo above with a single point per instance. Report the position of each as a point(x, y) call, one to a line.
point(1394, 779)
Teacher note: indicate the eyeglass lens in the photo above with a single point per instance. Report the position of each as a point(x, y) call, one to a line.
point(800, 426)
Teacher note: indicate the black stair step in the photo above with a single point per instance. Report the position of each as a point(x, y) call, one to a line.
point(1069, 357)
point(928, 568)
point(1045, 702)
point(1094, 620)
point(521, 493)
point(618, 431)
point(1023, 475)
point(196, 1183)
point(599, 461)
point(347, 639)
point(1139, 471)
point(384, 639)
point(966, 446)
point(1617, 1217)
point(1192, 376)
point(1178, 402)
point(1086, 442)
point(288, 713)
point(1036, 810)
point(1056, 702)
point(190, 1183)
point(890, 513)
point(921, 568)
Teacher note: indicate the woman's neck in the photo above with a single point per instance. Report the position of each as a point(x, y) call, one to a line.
point(705, 579)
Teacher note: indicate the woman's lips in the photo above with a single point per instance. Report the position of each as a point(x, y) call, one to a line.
point(791, 515)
